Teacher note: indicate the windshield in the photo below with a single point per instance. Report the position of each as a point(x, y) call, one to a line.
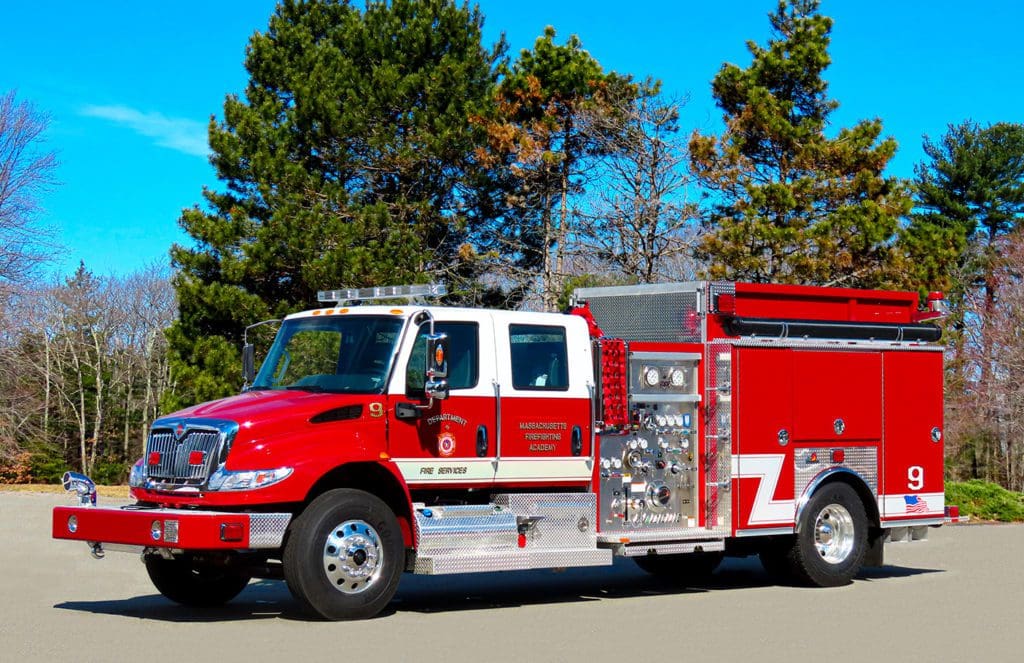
point(341, 354)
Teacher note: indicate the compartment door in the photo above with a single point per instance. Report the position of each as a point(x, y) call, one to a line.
point(912, 457)
point(763, 430)
point(837, 397)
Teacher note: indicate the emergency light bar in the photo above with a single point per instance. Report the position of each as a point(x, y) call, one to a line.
point(382, 292)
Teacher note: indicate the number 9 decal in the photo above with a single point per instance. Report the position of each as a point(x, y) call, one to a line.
point(915, 477)
point(376, 409)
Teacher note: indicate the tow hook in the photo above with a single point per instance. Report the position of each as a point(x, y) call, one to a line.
point(96, 550)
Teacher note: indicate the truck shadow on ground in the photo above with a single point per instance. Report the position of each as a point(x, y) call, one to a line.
point(266, 599)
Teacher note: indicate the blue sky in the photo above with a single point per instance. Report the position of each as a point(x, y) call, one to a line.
point(130, 86)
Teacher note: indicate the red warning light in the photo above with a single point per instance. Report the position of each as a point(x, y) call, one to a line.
point(231, 531)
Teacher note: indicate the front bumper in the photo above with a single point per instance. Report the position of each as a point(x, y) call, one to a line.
point(177, 529)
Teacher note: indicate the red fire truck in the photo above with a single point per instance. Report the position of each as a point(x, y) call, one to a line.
point(670, 423)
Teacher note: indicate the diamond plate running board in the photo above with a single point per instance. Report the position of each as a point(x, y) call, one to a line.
point(513, 560)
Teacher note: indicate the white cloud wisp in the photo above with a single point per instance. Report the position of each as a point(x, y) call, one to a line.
point(175, 133)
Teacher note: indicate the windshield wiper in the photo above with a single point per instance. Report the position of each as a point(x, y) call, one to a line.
point(311, 388)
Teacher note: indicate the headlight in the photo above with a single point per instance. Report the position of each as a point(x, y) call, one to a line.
point(137, 476)
point(247, 479)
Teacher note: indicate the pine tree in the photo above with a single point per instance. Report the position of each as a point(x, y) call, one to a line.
point(540, 150)
point(349, 161)
point(969, 209)
point(968, 196)
point(791, 204)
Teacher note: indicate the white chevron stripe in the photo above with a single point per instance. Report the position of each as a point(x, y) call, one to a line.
point(767, 468)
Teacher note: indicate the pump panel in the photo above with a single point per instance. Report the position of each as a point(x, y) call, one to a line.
point(649, 473)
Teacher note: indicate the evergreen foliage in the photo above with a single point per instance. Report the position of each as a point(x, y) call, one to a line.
point(968, 195)
point(793, 205)
point(539, 147)
point(348, 162)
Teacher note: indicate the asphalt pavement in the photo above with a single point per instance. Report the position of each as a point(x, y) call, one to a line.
point(957, 597)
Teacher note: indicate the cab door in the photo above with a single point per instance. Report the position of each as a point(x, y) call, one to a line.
point(544, 376)
point(452, 442)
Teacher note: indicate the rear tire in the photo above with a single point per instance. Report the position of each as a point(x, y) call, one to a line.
point(686, 569)
point(829, 549)
point(344, 555)
point(187, 582)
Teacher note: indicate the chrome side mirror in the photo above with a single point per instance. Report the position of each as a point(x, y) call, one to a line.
point(435, 384)
point(248, 364)
point(436, 389)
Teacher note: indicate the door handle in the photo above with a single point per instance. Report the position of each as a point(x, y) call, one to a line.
point(481, 441)
point(577, 441)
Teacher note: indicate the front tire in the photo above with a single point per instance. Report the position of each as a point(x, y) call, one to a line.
point(344, 555)
point(829, 549)
point(187, 582)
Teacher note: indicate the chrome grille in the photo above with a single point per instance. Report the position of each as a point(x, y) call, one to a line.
point(173, 463)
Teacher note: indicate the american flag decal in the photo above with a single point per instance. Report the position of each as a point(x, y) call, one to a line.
point(915, 504)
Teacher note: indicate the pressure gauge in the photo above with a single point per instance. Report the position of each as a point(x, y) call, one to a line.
point(677, 377)
point(652, 377)
point(662, 421)
point(643, 443)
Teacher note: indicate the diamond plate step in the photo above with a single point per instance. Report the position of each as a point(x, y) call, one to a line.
point(671, 548)
point(515, 531)
point(518, 559)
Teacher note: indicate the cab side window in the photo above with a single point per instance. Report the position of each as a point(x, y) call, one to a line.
point(539, 358)
point(463, 356)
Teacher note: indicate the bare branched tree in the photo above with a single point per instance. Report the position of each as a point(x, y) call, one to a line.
point(21, 401)
point(637, 217)
point(26, 171)
point(147, 300)
point(990, 378)
point(83, 366)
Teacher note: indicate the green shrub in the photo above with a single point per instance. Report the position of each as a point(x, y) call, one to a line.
point(985, 501)
point(110, 472)
point(47, 466)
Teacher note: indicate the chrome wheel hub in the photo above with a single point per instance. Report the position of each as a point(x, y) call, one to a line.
point(834, 534)
point(353, 556)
